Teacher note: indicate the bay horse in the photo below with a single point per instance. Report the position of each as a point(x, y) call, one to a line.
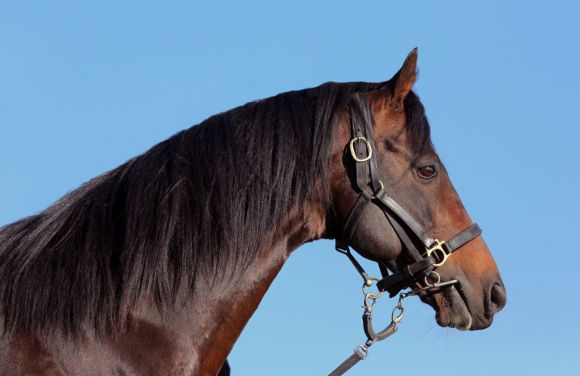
point(156, 266)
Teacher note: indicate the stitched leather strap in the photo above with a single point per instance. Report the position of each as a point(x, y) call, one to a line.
point(348, 363)
point(352, 221)
point(463, 238)
point(400, 280)
point(389, 203)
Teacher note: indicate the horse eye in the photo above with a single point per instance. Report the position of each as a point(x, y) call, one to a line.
point(427, 172)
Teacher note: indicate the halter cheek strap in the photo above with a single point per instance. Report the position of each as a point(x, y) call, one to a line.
point(431, 252)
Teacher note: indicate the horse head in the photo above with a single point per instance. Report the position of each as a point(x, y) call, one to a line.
point(394, 161)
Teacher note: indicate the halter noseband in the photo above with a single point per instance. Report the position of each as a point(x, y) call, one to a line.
point(410, 232)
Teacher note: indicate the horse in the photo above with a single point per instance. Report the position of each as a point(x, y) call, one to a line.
point(156, 266)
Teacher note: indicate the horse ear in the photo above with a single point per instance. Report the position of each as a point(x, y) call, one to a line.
point(403, 80)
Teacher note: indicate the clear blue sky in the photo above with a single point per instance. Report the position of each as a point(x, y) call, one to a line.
point(84, 87)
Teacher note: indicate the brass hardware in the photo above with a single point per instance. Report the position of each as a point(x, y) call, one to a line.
point(440, 253)
point(368, 147)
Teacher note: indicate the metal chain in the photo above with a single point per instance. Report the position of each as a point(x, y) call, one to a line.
point(361, 352)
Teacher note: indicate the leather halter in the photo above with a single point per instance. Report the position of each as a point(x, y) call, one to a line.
point(431, 254)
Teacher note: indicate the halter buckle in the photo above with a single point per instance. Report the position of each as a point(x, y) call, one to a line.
point(441, 254)
point(368, 148)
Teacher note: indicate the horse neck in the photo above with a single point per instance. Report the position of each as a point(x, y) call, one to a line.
point(214, 317)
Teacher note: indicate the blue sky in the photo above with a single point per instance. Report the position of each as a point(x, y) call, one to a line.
point(84, 87)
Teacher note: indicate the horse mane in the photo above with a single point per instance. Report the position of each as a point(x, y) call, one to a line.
point(206, 195)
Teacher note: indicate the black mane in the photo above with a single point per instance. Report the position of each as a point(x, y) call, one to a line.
point(151, 225)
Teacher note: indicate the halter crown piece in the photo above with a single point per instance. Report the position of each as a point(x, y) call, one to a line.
point(432, 254)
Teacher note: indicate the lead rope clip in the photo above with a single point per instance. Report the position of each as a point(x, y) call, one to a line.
point(361, 352)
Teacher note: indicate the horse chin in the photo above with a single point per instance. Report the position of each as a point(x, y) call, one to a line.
point(451, 309)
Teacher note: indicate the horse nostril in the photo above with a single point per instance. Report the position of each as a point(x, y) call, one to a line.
point(497, 298)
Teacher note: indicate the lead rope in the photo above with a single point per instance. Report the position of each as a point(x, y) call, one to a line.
point(361, 352)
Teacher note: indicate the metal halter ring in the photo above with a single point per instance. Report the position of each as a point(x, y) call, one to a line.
point(368, 147)
point(437, 279)
point(368, 283)
point(377, 194)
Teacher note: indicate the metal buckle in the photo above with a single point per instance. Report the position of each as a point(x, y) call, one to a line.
point(368, 147)
point(440, 253)
point(361, 351)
